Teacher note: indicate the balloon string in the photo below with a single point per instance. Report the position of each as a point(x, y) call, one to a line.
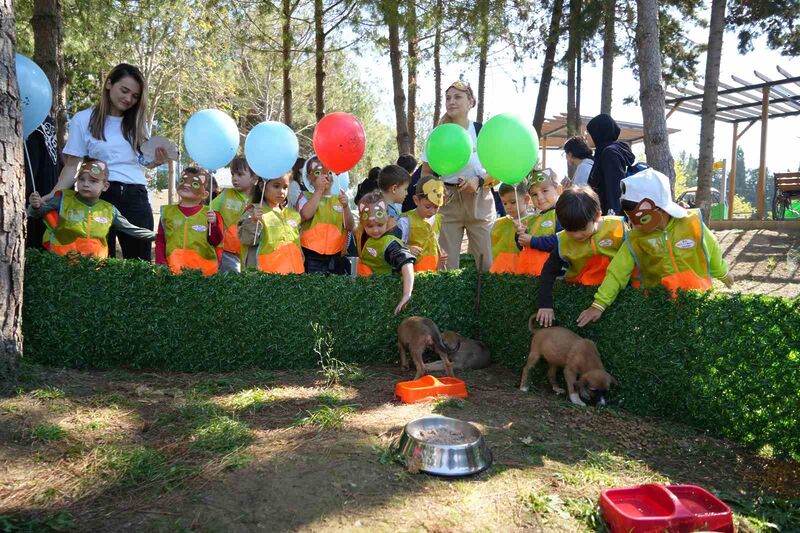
point(516, 198)
point(258, 222)
point(30, 167)
point(211, 199)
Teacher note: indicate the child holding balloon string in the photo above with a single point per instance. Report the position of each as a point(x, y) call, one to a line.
point(380, 248)
point(539, 236)
point(325, 220)
point(230, 204)
point(270, 231)
point(505, 248)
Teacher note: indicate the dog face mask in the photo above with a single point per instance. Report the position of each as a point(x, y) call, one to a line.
point(645, 216)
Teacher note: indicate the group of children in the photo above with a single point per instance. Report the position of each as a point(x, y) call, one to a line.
point(546, 231)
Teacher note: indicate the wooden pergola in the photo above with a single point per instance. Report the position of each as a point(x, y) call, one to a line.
point(744, 103)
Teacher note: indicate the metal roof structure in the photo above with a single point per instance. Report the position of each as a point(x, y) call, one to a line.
point(743, 102)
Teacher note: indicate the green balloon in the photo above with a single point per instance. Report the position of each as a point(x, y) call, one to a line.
point(449, 148)
point(508, 148)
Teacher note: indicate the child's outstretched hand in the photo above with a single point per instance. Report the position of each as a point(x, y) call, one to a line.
point(212, 217)
point(590, 314)
point(728, 280)
point(524, 240)
point(403, 303)
point(35, 200)
point(545, 317)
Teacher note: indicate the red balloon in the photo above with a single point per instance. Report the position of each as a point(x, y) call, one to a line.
point(339, 141)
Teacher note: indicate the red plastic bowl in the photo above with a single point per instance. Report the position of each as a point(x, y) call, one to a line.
point(429, 387)
point(657, 508)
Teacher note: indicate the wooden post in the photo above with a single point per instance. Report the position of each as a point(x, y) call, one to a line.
point(544, 152)
point(762, 166)
point(732, 178)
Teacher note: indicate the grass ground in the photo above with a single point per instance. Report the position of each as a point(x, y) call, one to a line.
point(123, 451)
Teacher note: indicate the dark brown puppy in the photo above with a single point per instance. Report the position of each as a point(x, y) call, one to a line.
point(471, 354)
point(417, 334)
point(562, 348)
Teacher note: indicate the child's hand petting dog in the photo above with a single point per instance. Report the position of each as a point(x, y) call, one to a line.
point(524, 239)
point(545, 317)
point(403, 303)
point(588, 315)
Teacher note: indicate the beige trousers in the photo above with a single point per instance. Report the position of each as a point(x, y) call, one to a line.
point(473, 212)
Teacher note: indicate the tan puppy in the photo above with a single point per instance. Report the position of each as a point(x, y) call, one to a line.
point(471, 354)
point(562, 348)
point(417, 334)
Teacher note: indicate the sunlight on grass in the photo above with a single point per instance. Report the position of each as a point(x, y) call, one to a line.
point(325, 417)
point(604, 469)
point(221, 434)
point(248, 400)
point(48, 433)
point(47, 393)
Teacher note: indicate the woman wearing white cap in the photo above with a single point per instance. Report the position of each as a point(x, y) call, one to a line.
point(670, 245)
point(469, 205)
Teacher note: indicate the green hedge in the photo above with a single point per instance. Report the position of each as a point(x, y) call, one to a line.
point(725, 363)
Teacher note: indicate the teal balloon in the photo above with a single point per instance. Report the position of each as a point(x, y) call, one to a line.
point(271, 148)
point(508, 148)
point(211, 138)
point(35, 94)
point(448, 149)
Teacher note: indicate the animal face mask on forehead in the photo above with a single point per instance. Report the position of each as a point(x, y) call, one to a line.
point(433, 190)
point(197, 182)
point(98, 169)
point(645, 215)
point(376, 212)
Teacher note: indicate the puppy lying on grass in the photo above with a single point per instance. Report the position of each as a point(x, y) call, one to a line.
point(471, 354)
point(417, 334)
point(579, 358)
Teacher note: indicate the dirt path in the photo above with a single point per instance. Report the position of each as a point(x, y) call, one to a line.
point(261, 451)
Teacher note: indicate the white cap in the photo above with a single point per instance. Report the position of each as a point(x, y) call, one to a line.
point(654, 185)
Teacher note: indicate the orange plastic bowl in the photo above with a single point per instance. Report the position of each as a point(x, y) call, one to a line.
point(429, 387)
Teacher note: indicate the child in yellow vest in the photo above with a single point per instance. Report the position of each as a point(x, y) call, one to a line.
point(276, 228)
point(230, 204)
point(380, 249)
point(188, 233)
point(326, 219)
point(667, 244)
point(420, 227)
point(505, 249)
point(78, 220)
point(539, 237)
point(586, 246)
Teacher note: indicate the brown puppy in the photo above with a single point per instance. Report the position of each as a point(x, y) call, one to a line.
point(416, 334)
point(471, 354)
point(562, 348)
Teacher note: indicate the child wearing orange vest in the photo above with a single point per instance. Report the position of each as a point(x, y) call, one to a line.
point(505, 249)
point(585, 247)
point(420, 227)
point(667, 244)
point(277, 231)
point(326, 219)
point(380, 249)
point(230, 204)
point(539, 237)
point(78, 220)
point(188, 233)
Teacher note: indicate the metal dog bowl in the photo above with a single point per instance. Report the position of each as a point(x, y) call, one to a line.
point(444, 447)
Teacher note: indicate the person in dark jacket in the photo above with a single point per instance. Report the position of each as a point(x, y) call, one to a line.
point(611, 161)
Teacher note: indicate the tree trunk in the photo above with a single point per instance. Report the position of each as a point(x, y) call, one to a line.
point(651, 90)
point(403, 140)
point(437, 65)
point(411, 34)
point(319, 56)
point(48, 53)
point(709, 109)
point(12, 207)
point(547, 67)
point(578, 83)
point(482, 56)
point(609, 39)
point(572, 59)
point(286, 31)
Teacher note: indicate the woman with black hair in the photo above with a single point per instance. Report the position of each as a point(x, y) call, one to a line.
point(579, 158)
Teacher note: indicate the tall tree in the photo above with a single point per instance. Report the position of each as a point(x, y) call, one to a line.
point(319, 59)
point(709, 108)
point(48, 52)
point(286, 55)
point(571, 60)
point(651, 89)
point(411, 37)
point(609, 42)
point(438, 15)
point(483, 53)
point(553, 35)
point(777, 19)
point(12, 207)
point(391, 17)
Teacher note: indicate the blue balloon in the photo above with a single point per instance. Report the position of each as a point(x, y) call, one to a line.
point(271, 148)
point(35, 94)
point(211, 138)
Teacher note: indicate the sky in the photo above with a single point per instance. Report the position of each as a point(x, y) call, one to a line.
point(505, 92)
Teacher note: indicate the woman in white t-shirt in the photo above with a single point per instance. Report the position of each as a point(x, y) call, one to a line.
point(579, 158)
point(469, 204)
point(113, 131)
